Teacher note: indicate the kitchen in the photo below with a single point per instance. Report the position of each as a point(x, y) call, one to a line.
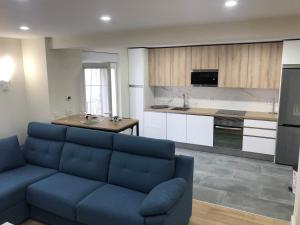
point(217, 98)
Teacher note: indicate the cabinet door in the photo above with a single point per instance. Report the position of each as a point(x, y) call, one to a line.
point(137, 60)
point(181, 66)
point(136, 100)
point(155, 125)
point(176, 127)
point(233, 65)
point(205, 57)
point(200, 130)
point(264, 68)
point(291, 52)
point(160, 67)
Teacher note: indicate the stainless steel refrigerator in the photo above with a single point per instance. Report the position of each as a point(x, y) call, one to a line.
point(288, 134)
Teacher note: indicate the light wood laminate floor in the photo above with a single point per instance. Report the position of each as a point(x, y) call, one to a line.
point(210, 214)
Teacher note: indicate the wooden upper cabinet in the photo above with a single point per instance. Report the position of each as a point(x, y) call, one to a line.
point(160, 66)
point(205, 57)
point(181, 66)
point(233, 65)
point(264, 69)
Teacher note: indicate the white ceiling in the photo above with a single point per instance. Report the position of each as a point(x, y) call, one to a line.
point(68, 17)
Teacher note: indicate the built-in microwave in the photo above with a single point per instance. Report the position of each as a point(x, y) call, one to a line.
point(206, 78)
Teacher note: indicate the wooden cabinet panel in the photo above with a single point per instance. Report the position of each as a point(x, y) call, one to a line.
point(160, 67)
point(233, 65)
point(205, 57)
point(181, 66)
point(264, 69)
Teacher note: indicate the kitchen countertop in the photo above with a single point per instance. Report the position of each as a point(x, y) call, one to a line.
point(212, 112)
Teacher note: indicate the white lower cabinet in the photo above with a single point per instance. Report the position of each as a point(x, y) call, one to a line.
point(200, 130)
point(155, 125)
point(176, 127)
point(259, 145)
point(259, 136)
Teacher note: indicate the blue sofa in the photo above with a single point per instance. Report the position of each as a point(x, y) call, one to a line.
point(72, 176)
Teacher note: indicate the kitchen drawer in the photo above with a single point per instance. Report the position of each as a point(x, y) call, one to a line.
point(259, 145)
point(260, 132)
point(260, 124)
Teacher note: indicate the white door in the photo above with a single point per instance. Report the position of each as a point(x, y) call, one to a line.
point(155, 125)
point(200, 130)
point(136, 95)
point(137, 59)
point(176, 127)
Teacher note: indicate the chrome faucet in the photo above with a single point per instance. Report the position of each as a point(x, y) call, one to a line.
point(185, 101)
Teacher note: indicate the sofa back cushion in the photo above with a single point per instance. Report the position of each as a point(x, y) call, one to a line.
point(44, 144)
point(141, 163)
point(87, 153)
point(11, 156)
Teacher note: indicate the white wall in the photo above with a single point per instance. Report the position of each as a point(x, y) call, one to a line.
point(13, 107)
point(259, 100)
point(36, 79)
point(65, 79)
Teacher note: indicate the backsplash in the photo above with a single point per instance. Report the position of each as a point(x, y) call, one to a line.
point(259, 100)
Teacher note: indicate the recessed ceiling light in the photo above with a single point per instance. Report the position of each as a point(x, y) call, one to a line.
point(231, 3)
point(105, 18)
point(24, 28)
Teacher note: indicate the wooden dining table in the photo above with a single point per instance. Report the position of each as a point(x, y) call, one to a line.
point(100, 123)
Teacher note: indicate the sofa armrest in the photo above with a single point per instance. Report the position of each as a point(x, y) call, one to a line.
point(163, 197)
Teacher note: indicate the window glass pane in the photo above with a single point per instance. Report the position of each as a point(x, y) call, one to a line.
point(88, 76)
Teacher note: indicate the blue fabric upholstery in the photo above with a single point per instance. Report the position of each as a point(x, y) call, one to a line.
point(44, 145)
point(14, 183)
point(84, 161)
point(16, 214)
point(141, 163)
point(111, 205)
point(10, 154)
point(181, 212)
point(144, 146)
point(139, 173)
point(92, 138)
point(163, 197)
point(47, 131)
point(60, 193)
point(49, 218)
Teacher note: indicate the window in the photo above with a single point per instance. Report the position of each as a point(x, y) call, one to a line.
point(100, 89)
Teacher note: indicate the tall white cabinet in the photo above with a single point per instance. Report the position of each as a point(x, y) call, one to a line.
point(140, 94)
point(291, 52)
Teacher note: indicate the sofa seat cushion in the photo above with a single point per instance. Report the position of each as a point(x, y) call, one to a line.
point(13, 183)
point(60, 193)
point(111, 205)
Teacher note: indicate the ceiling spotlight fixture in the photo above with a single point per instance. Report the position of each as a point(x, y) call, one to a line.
point(105, 18)
point(231, 3)
point(24, 28)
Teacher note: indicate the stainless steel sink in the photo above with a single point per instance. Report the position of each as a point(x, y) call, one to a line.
point(181, 108)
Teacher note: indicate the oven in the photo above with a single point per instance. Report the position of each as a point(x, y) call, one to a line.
point(228, 132)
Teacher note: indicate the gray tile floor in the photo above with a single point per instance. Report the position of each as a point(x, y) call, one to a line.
point(251, 185)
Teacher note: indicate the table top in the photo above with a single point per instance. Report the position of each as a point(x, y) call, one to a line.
point(101, 123)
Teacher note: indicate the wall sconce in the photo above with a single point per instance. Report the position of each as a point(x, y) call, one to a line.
point(7, 69)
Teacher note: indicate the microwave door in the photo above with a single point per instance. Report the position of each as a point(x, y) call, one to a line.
point(289, 111)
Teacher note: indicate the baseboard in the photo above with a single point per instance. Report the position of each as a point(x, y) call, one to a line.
point(226, 151)
point(293, 220)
